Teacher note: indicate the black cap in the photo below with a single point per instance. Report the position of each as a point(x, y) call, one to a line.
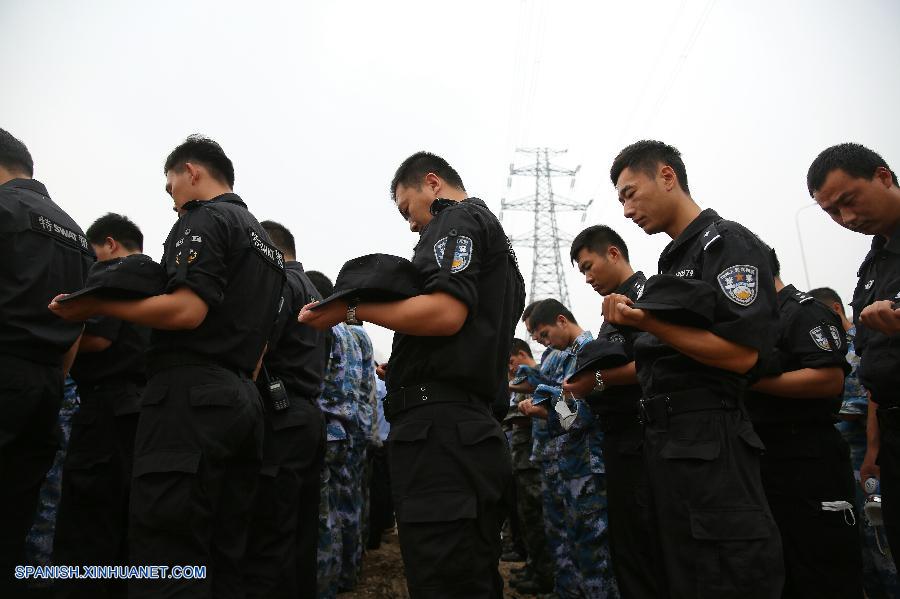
point(131, 277)
point(682, 301)
point(600, 354)
point(375, 278)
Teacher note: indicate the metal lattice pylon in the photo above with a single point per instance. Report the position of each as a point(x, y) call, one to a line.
point(547, 276)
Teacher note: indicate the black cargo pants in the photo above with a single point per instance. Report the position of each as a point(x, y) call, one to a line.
point(715, 533)
point(92, 518)
point(30, 397)
point(197, 456)
point(450, 478)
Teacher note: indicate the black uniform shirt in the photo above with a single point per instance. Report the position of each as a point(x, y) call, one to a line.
point(808, 335)
point(220, 251)
point(124, 359)
point(297, 352)
point(879, 279)
point(42, 253)
point(620, 399)
point(464, 252)
point(733, 261)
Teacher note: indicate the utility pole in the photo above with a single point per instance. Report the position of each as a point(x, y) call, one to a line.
point(547, 275)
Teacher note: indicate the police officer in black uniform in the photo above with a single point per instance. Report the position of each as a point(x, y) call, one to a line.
point(806, 469)
point(857, 188)
point(43, 250)
point(110, 370)
point(715, 532)
point(283, 539)
point(199, 439)
point(449, 461)
point(613, 394)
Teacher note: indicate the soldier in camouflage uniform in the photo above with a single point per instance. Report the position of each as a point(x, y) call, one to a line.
point(545, 453)
point(39, 542)
point(879, 572)
point(339, 407)
point(580, 455)
point(360, 375)
point(527, 476)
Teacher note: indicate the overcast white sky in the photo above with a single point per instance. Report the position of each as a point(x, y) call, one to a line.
point(317, 104)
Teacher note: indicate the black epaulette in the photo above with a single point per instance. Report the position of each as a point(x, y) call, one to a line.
point(801, 298)
point(712, 234)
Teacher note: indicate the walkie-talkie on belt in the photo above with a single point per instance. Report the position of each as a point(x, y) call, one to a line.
point(275, 391)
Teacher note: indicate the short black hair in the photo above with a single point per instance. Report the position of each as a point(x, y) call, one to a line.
point(827, 296)
point(520, 346)
point(526, 313)
point(281, 236)
point(645, 156)
point(120, 228)
point(322, 283)
point(411, 172)
point(14, 156)
point(854, 159)
point(597, 238)
point(547, 311)
point(202, 150)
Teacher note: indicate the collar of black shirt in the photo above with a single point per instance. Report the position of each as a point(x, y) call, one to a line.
point(229, 198)
point(880, 242)
point(703, 220)
point(629, 283)
point(29, 184)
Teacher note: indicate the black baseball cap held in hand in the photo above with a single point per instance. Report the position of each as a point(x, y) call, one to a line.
point(375, 278)
point(678, 300)
point(131, 277)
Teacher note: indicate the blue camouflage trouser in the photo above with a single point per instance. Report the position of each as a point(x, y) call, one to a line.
point(566, 582)
point(351, 483)
point(39, 543)
point(587, 538)
point(330, 530)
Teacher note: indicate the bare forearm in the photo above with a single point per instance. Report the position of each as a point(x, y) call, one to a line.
point(432, 315)
point(703, 346)
point(179, 310)
point(806, 383)
point(69, 356)
point(873, 435)
point(621, 375)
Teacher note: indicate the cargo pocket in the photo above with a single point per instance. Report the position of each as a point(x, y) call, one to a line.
point(732, 549)
point(406, 442)
point(154, 396)
point(679, 449)
point(213, 395)
point(473, 432)
point(87, 478)
point(290, 418)
point(161, 490)
point(441, 529)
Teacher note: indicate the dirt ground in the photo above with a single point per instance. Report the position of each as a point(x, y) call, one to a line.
point(382, 574)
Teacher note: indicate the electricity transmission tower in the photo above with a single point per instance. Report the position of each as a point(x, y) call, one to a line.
point(547, 275)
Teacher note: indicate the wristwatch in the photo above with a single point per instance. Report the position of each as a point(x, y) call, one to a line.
point(601, 385)
point(351, 313)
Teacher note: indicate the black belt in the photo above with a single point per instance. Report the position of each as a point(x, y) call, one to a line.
point(413, 396)
point(695, 400)
point(171, 358)
point(613, 422)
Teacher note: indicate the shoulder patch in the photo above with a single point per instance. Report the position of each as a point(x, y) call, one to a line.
point(51, 228)
point(710, 236)
point(462, 256)
point(271, 254)
point(818, 336)
point(739, 283)
point(802, 298)
point(616, 337)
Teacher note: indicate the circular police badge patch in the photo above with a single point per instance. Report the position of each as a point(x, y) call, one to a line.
point(462, 255)
point(739, 283)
